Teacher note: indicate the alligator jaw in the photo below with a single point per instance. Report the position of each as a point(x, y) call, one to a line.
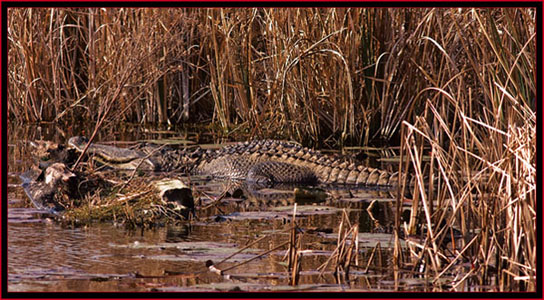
point(115, 157)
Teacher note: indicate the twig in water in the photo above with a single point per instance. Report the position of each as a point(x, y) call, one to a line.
point(371, 257)
point(219, 271)
point(293, 252)
point(244, 248)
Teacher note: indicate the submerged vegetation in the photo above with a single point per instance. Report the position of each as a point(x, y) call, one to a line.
point(455, 85)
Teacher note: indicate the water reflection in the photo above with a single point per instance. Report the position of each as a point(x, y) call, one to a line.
point(177, 233)
point(45, 256)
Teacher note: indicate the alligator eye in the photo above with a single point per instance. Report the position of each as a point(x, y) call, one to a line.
point(78, 141)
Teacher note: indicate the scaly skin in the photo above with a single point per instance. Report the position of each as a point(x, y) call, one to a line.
point(257, 161)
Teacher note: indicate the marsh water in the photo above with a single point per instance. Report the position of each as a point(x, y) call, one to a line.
point(44, 255)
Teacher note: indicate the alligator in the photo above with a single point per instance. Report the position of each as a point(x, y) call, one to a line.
point(258, 161)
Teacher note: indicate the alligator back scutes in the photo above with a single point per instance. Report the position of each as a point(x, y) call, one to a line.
point(276, 161)
point(237, 160)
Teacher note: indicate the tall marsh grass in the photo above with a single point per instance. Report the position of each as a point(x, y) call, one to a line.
point(458, 85)
point(316, 75)
point(477, 121)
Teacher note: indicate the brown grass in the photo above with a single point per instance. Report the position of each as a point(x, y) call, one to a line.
point(458, 85)
point(331, 76)
point(478, 123)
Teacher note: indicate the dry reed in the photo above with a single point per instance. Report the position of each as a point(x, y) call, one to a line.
point(456, 84)
point(477, 118)
point(320, 76)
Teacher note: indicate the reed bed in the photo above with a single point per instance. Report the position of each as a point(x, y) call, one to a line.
point(478, 124)
point(320, 76)
point(458, 85)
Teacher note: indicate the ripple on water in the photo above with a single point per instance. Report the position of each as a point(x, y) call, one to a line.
point(40, 252)
point(37, 250)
